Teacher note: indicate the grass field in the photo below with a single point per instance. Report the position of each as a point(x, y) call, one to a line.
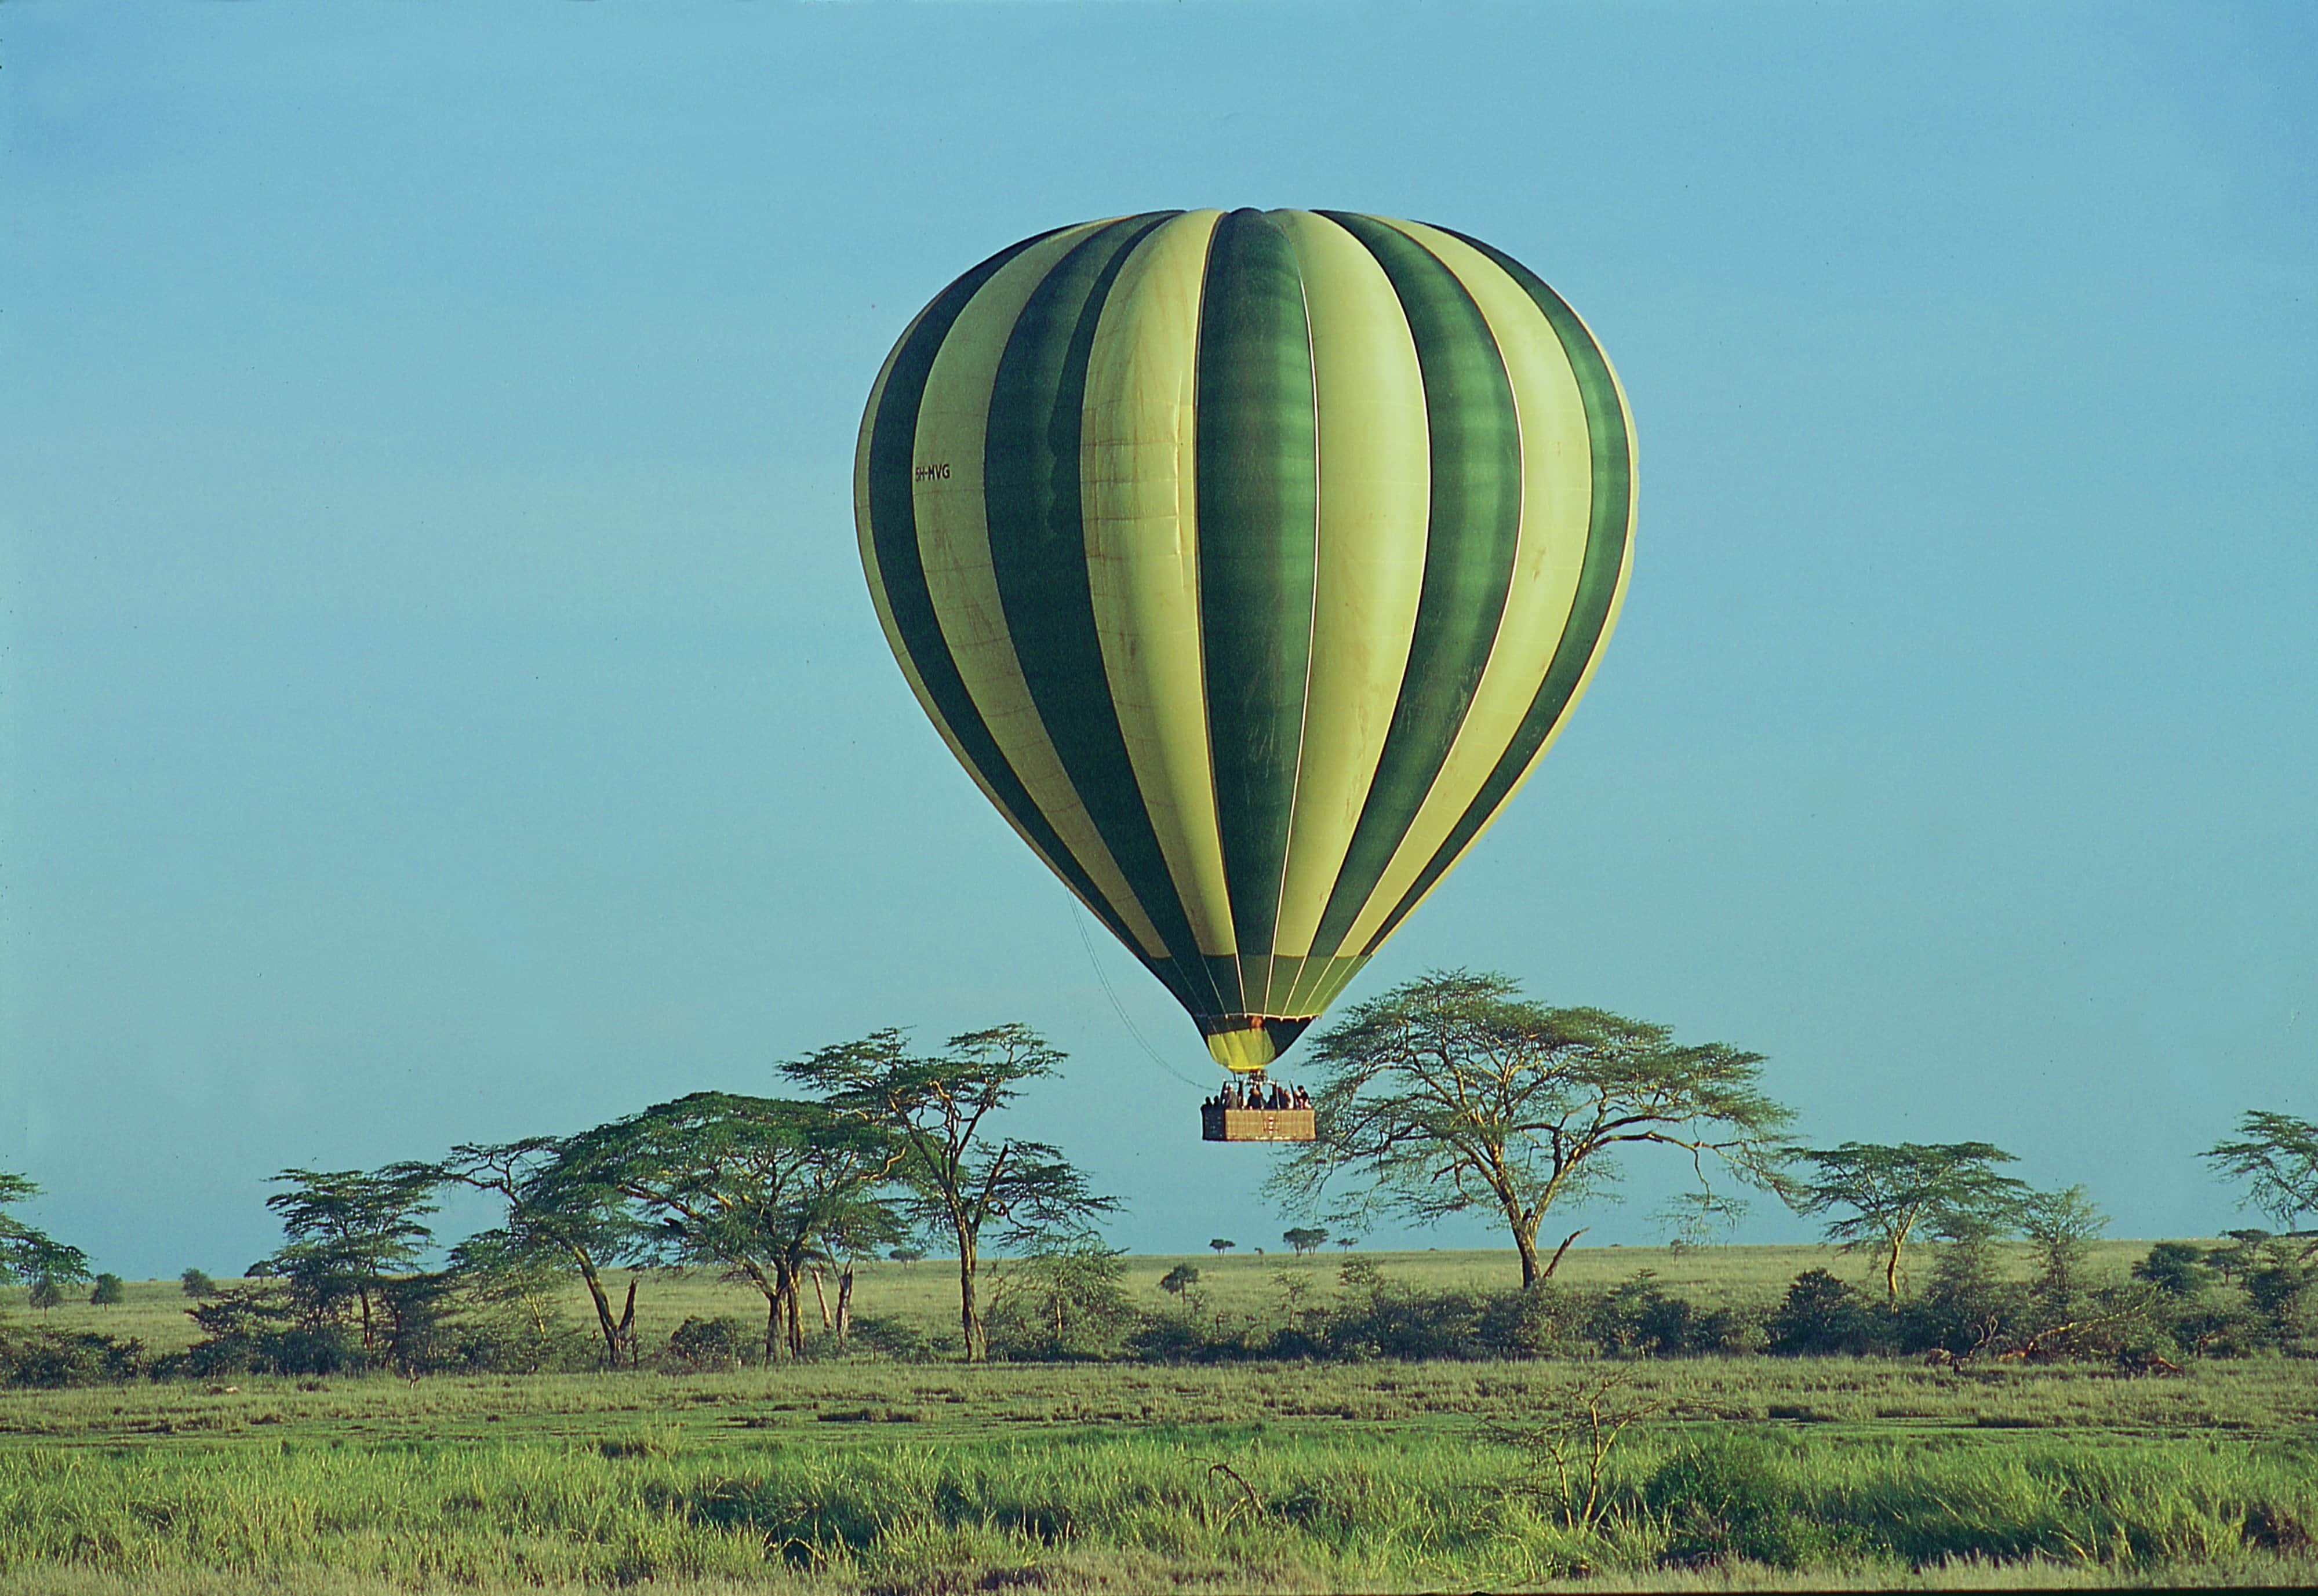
point(868, 1477)
point(924, 1295)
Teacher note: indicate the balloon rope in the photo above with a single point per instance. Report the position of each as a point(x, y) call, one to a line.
point(1078, 918)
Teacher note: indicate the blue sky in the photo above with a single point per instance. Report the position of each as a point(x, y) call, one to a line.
point(440, 702)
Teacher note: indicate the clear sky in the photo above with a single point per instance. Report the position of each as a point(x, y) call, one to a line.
point(440, 701)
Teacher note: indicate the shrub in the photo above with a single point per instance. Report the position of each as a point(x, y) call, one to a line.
point(723, 1342)
point(253, 1330)
point(891, 1338)
point(1638, 1319)
point(2280, 1288)
point(1171, 1338)
point(1966, 1304)
point(55, 1360)
point(1070, 1303)
point(48, 1292)
point(196, 1284)
point(1535, 1322)
point(1822, 1316)
point(498, 1339)
point(107, 1291)
point(2176, 1269)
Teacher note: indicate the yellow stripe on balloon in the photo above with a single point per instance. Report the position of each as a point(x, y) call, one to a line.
point(1136, 492)
point(1375, 484)
point(1608, 620)
point(954, 549)
point(884, 608)
point(1557, 498)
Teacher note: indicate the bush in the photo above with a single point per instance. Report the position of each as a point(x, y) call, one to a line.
point(253, 1330)
point(54, 1359)
point(1638, 1319)
point(1536, 1322)
point(107, 1291)
point(196, 1284)
point(1822, 1317)
point(48, 1292)
point(2281, 1286)
point(1063, 1304)
point(723, 1342)
point(893, 1337)
point(2176, 1269)
point(499, 1339)
point(1967, 1303)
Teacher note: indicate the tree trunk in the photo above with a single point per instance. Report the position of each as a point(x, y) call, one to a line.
point(605, 1323)
point(796, 1320)
point(626, 1333)
point(844, 1305)
point(1892, 1270)
point(969, 1310)
point(778, 1314)
point(820, 1297)
point(1525, 1243)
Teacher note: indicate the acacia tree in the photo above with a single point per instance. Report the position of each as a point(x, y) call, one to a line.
point(757, 1185)
point(349, 1233)
point(554, 1211)
point(32, 1255)
point(2276, 1157)
point(1883, 1196)
point(1454, 1092)
point(959, 1181)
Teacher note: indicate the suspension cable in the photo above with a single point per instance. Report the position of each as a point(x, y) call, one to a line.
point(1078, 918)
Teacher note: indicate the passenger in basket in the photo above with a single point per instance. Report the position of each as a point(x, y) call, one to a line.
point(1303, 1099)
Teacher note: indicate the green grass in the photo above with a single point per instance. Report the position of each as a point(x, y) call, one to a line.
point(924, 1295)
point(864, 1477)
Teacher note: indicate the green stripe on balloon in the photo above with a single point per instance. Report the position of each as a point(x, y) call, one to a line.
point(894, 532)
point(1037, 545)
point(1473, 532)
point(1258, 492)
point(1608, 530)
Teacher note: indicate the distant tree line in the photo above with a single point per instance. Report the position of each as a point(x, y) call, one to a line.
point(1451, 1094)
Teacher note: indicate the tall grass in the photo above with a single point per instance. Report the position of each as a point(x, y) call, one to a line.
point(1420, 1509)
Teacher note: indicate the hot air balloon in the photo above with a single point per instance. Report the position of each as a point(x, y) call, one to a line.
point(1249, 561)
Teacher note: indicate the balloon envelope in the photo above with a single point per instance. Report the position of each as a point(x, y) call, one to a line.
point(1248, 561)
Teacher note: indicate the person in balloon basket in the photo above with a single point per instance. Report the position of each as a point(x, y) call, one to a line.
point(1276, 1097)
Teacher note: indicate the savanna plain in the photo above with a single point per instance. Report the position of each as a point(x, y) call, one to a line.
point(872, 1471)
